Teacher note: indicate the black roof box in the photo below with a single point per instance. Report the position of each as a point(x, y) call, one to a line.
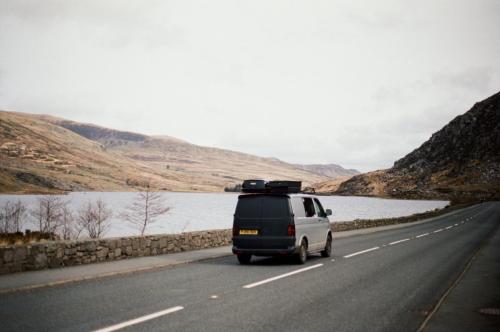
point(291, 187)
point(253, 186)
point(261, 186)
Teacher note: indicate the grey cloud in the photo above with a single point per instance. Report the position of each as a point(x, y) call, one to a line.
point(474, 78)
point(354, 83)
point(108, 23)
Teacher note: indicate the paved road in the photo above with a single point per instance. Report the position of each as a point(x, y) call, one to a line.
point(385, 281)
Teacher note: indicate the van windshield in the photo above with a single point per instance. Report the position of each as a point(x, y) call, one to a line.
point(264, 207)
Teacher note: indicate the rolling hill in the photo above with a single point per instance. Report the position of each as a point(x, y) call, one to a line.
point(41, 153)
point(333, 171)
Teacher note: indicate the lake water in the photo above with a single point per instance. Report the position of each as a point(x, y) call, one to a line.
point(203, 211)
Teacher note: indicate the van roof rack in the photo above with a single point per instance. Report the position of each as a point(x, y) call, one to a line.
point(272, 187)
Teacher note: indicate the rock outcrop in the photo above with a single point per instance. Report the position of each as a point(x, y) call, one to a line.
point(459, 162)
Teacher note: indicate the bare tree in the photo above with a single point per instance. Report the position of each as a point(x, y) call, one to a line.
point(86, 218)
point(68, 230)
point(38, 215)
point(94, 218)
point(103, 214)
point(48, 213)
point(145, 209)
point(5, 217)
point(18, 213)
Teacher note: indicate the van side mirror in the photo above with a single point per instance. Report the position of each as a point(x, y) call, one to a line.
point(329, 212)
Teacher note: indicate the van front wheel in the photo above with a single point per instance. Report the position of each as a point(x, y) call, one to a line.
point(327, 252)
point(244, 258)
point(302, 255)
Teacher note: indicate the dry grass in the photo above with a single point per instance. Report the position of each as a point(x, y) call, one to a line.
point(21, 238)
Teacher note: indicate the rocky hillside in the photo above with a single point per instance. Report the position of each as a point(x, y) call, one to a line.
point(333, 171)
point(461, 161)
point(43, 153)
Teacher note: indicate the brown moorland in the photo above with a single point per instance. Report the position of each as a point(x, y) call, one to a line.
point(40, 154)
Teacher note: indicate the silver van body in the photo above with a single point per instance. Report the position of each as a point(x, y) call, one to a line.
point(280, 224)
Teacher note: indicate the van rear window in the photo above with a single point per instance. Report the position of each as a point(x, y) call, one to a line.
point(263, 207)
point(275, 207)
point(249, 207)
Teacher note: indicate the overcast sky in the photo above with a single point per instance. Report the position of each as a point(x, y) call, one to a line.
point(358, 83)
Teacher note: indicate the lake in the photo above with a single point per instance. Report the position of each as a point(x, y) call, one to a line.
point(203, 211)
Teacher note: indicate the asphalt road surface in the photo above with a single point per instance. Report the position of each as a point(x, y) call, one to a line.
point(384, 281)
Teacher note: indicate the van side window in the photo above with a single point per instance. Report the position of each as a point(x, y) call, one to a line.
point(309, 207)
point(298, 207)
point(319, 208)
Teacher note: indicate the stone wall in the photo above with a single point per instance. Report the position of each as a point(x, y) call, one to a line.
point(368, 223)
point(53, 254)
point(37, 256)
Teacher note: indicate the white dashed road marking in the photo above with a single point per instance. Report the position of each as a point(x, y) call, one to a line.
point(140, 319)
point(422, 235)
point(361, 252)
point(438, 230)
point(399, 241)
point(255, 284)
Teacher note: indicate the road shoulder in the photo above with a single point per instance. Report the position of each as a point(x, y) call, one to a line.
point(52, 277)
point(474, 303)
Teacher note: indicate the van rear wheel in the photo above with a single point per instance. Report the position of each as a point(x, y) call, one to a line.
point(302, 255)
point(327, 252)
point(244, 258)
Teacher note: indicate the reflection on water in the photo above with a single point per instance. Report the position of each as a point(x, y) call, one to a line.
point(202, 211)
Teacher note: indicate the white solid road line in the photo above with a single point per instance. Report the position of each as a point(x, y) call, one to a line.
point(140, 319)
point(255, 284)
point(422, 235)
point(361, 252)
point(399, 241)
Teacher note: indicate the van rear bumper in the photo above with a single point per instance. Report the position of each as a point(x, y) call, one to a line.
point(264, 245)
point(265, 252)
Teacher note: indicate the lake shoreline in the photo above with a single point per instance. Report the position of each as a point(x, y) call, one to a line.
point(205, 211)
point(343, 226)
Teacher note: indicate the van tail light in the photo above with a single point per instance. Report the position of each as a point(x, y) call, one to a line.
point(291, 230)
point(236, 231)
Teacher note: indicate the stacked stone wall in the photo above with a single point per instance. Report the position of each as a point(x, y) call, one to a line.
point(53, 254)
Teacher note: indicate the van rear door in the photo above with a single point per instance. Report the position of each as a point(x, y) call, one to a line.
point(262, 221)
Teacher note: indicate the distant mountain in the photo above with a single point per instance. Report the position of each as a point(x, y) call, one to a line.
point(40, 153)
point(333, 171)
point(461, 161)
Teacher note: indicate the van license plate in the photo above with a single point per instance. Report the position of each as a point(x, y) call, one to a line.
point(248, 232)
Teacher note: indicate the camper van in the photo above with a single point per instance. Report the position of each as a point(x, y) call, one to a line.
point(275, 218)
